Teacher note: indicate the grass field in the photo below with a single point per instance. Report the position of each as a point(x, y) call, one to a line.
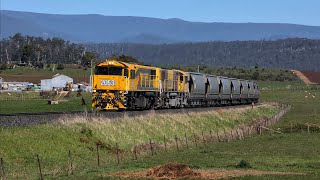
point(29, 102)
point(293, 151)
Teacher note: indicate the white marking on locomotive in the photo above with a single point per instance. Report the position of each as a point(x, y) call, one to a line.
point(107, 82)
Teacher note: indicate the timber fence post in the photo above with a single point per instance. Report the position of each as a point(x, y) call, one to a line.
point(151, 147)
point(218, 136)
point(3, 174)
point(165, 143)
point(203, 138)
point(211, 137)
point(70, 167)
point(135, 150)
point(117, 153)
point(98, 155)
point(176, 139)
point(185, 135)
point(40, 170)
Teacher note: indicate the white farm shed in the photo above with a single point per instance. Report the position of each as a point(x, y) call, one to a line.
point(57, 81)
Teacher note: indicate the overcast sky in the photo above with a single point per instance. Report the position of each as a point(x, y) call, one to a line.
point(305, 12)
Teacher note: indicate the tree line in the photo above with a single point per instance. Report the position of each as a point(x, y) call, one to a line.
point(294, 53)
point(37, 51)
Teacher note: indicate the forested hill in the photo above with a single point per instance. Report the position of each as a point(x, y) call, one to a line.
point(296, 53)
point(301, 54)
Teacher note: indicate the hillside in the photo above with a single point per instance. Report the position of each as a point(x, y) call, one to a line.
point(98, 28)
point(294, 53)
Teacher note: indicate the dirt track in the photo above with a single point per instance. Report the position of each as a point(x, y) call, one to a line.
point(308, 77)
point(314, 77)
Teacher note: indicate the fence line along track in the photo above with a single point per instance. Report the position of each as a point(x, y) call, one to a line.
point(29, 119)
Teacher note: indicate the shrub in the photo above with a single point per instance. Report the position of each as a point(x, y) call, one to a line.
point(3, 67)
point(60, 66)
point(243, 164)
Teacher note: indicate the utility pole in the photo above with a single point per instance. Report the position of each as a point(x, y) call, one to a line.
point(198, 68)
point(91, 73)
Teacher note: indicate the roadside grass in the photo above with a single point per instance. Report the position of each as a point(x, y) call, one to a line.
point(31, 102)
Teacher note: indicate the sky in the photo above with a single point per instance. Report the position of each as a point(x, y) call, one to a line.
point(306, 12)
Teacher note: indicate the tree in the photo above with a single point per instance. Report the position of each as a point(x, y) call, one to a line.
point(27, 53)
point(3, 67)
point(255, 75)
point(87, 58)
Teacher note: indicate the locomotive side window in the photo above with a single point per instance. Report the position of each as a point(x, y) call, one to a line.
point(125, 73)
point(117, 71)
point(132, 74)
point(153, 74)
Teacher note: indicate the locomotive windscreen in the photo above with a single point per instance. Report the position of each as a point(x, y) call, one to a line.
point(117, 71)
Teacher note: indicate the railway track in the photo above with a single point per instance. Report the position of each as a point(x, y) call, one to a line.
point(31, 119)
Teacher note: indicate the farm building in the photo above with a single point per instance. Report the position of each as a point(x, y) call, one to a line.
point(56, 82)
point(14, 86)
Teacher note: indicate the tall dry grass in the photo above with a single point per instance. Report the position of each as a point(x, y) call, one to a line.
point(128, 131)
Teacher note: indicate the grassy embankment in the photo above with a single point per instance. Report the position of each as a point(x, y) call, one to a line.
point(19, 146)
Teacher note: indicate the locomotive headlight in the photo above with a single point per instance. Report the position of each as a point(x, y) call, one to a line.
point(94, 90)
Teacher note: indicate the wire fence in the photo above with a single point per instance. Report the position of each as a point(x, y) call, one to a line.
point(76, 161)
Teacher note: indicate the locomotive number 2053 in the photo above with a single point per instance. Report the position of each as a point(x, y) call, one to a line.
point(107, 82)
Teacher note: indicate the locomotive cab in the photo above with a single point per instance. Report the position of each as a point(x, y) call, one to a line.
point(110, 84)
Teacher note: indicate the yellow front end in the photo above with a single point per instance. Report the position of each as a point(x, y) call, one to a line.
point(110, 85)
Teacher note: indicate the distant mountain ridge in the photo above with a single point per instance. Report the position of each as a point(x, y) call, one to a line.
point(114, 29)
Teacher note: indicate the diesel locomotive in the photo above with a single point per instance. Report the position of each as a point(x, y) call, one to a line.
point(120, 86)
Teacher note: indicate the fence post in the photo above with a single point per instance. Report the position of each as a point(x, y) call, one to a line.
point(40, 170)
point(308, 128)
point(211, 137)
point(135, 152)
point(260, 129)
point(231, 134)
point(117, 153)
point(151, 148)
point(203, 139)
point(195, 139)
point(165, 143)
point(225, 136)
point(185, 135)
point(98, 157)
point(70, 171)
point(3, 175)
point(176, 139)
